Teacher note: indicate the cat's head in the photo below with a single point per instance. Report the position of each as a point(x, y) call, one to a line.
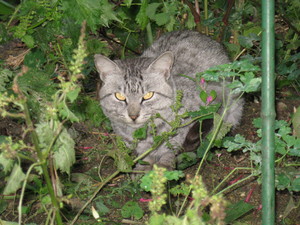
point(133, 90)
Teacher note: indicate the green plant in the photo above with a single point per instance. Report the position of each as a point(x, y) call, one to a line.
point(287, 146)
point(51, 147)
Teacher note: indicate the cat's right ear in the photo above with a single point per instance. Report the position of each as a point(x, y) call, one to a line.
point(105, 66)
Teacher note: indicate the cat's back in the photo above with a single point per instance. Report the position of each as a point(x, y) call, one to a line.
point(193, 52)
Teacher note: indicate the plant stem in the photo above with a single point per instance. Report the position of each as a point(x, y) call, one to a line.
point(23, 190)
point(234, 170)
point(42, 161)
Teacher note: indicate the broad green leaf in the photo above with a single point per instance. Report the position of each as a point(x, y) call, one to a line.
point(296, 184)
point(157, 219)
point(6, 163)
point(66, 113)
point(186, 160)
point(102, 208)
point(72, 95)
point(151, 9)
point(162, 19)
point(141, 17)
point(3, 206)
point(64, 153)
point(173, 175)
point(141, 133)
point(15, 180)
point(237, 210)
point(28, 40)
point(132, 209)
point(282, 181)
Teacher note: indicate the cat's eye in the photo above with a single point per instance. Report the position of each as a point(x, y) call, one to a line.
point(120, 97)
point(148, 95)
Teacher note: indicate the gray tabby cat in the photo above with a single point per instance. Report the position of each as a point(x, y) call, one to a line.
point(135, 89)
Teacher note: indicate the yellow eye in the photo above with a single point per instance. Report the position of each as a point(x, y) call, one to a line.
point(148, 95)
point(120, 97)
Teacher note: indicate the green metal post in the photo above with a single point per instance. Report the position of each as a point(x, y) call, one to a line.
point(268, 113)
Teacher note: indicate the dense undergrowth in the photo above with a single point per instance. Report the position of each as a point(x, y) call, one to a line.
point(50, 84)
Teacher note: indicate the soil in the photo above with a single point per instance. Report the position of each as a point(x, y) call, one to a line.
point(92, 143)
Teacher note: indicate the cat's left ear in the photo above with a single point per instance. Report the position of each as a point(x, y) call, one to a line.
point(163, 64)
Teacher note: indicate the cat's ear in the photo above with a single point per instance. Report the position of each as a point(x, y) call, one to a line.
point(163, 64)
point(105, 66)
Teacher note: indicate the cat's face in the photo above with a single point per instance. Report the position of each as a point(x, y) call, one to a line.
point(134, 90)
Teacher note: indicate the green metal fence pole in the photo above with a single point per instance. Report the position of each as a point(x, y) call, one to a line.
point(268, 113)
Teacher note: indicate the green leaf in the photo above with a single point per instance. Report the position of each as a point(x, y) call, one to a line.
point(132, 209)
point(186, 160)
point(102, 208)
point(282, 181)
point(6, 163)
point(296, 184)
point(237, 210)
point(64, 153)
point(141, 17)
point(146, 181)
point(157, 219)
point(141, 133)
point(3, 206)
point(173, 175)
point(162, 19)
point(72, 95)
point(66, 113)
point(151, 9)
point(15, 180)
point(5, 76)
point(28, 40)
point(203, 96)
point(205, 111)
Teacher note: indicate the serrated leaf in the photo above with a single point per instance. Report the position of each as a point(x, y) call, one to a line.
point(141, 133)
point(186, 160)
point(64, 154)
point(72, 95)
point(102, 208)
point(282, 181)
point(132, 209)
point(151, 10)
point(224, 129)
point(15, 180)
point(162, 19)
point(173, 175)
point(296, 184)
point(66, 113)
point(146, 181)
point(6, 163)
point(237, 210)
point(28, 40)
point(141, 17)
point(182, 189)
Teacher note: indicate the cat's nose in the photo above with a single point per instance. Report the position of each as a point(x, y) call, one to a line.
point(133, 117)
